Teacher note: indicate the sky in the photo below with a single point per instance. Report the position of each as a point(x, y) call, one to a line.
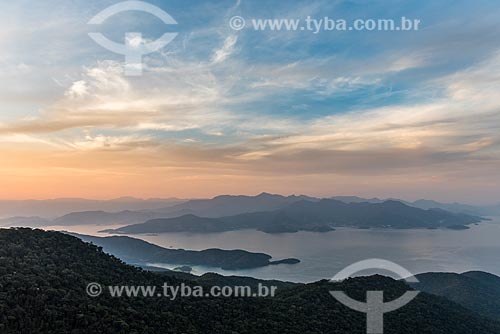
point(408, 114)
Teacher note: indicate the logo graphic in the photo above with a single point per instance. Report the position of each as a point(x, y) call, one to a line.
point(375, 306)
point(237, 23)
point(94, 289)
point(135, 47)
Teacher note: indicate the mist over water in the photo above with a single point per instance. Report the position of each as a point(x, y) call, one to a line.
point(322, 255)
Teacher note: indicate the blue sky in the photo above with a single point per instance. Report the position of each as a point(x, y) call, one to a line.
point(384, 113)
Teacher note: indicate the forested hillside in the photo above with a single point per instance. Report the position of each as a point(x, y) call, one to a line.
point(43, 277)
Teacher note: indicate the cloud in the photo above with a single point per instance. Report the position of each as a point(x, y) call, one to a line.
point(77, 89)
point(219, 105)
point(227, 49)
point(185, 96)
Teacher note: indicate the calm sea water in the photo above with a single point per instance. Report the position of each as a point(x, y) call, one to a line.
point(322, 255)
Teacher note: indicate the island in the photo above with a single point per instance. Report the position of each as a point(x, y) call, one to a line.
point(142, 253)
point(313, 216)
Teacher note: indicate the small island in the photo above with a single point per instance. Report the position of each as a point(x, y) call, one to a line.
point(285, 261)
point(458, 227)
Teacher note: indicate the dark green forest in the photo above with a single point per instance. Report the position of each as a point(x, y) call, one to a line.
point(43, 277)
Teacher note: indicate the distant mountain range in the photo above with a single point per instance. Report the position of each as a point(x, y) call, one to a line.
point(83, 218)
point(124, 211)
point(105, 218)
point(229, 205)
point(25, 222)
point(52, 208)
point(485, 210)
point(140, 252)
point(304, 215)
point(266, 208)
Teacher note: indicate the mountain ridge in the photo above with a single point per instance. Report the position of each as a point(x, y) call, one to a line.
point(217, 207)
point(475, 290)
point(322, 216)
